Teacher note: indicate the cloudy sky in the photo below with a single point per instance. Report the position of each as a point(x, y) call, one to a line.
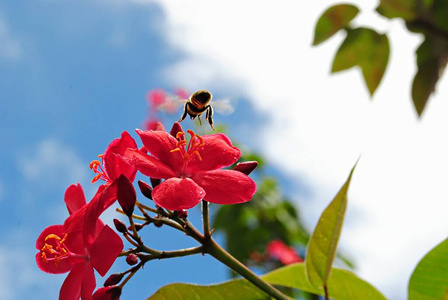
point(73, 76)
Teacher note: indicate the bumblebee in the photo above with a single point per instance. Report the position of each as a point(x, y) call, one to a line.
point(196, 105)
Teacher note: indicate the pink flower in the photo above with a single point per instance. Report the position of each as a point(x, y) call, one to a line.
point(192, 171)
point(155, 98)
point(113, 166)
point(283, 253)
point(83, 243)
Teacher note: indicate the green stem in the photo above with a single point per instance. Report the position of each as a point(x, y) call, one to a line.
point(211, 247)
point(169, 254)
point(223, 256)
point(205, 219)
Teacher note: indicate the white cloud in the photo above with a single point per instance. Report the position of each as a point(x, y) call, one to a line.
point(53, 164)
point(11, 48)
point(322, 123)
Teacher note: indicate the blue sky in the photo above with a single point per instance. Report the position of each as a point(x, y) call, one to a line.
point(73, 76)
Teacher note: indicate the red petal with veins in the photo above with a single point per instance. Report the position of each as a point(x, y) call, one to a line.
point(178, 194)
point(105, 250)
point(216, 153)
point(225, 186)
point(50, 267)
point(160, 144)
point(148, 165)
point(114, 166)
point(74, 198)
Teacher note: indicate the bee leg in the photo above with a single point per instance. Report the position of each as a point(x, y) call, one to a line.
point(208, 116)
point(184, 115)
point(200, 122)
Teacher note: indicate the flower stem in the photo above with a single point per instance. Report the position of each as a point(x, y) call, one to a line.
point(212, 248)
point(205, 219)
point(169, 254)
point(223, 256)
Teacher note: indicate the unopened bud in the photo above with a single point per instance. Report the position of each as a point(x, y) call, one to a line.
point(132, 259)
point(157, 222)
point(183, 214)
point(113, 279)
point(107, 293)
point(246, 167)
point(137, 226)
point(155, 182)
point(120, 226)
point(146, 189)
point(176, 129)
point(126, 195)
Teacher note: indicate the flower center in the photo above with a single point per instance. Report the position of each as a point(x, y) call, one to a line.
point(54, 249)
point(194, 145)
point(96, 167)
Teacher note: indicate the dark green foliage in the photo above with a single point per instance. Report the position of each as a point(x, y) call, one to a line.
point(370, 51)
point(367, 49)
point(249, 227)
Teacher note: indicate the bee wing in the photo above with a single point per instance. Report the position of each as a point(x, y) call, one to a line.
point(172, 104)
point(223, 106)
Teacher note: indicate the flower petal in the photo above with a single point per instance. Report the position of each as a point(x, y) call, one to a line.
point(177, 194)
point(113, 165)
point(74, 198)
point(88, 283)
point(63, 265)
point(216, 153)
point(160, 144)
point(225, 186)
point(71, 288)
point(148, 165)
point(105, 250)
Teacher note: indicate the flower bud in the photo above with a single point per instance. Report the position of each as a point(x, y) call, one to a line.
point(246, 167)
point(120, 226)
point(126, 195)
point(137, 226)
point(113, 279)
point(132, 259)
point(107, 293)
point(176, 129)
point(183, 214)
point(146, 189)
point(154, 182)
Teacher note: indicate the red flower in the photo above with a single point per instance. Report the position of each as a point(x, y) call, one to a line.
point(283, 253)
point(192, 171)
point(83, 243)
point(113, 166)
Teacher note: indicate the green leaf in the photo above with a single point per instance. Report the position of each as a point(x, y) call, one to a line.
point(367, 49)
point(430, 278)
point(404, 9)
point(236, 289)
point(323, 243)
point(342, 284)
point(332, 20)
point(424, 84)
point(432, 57)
